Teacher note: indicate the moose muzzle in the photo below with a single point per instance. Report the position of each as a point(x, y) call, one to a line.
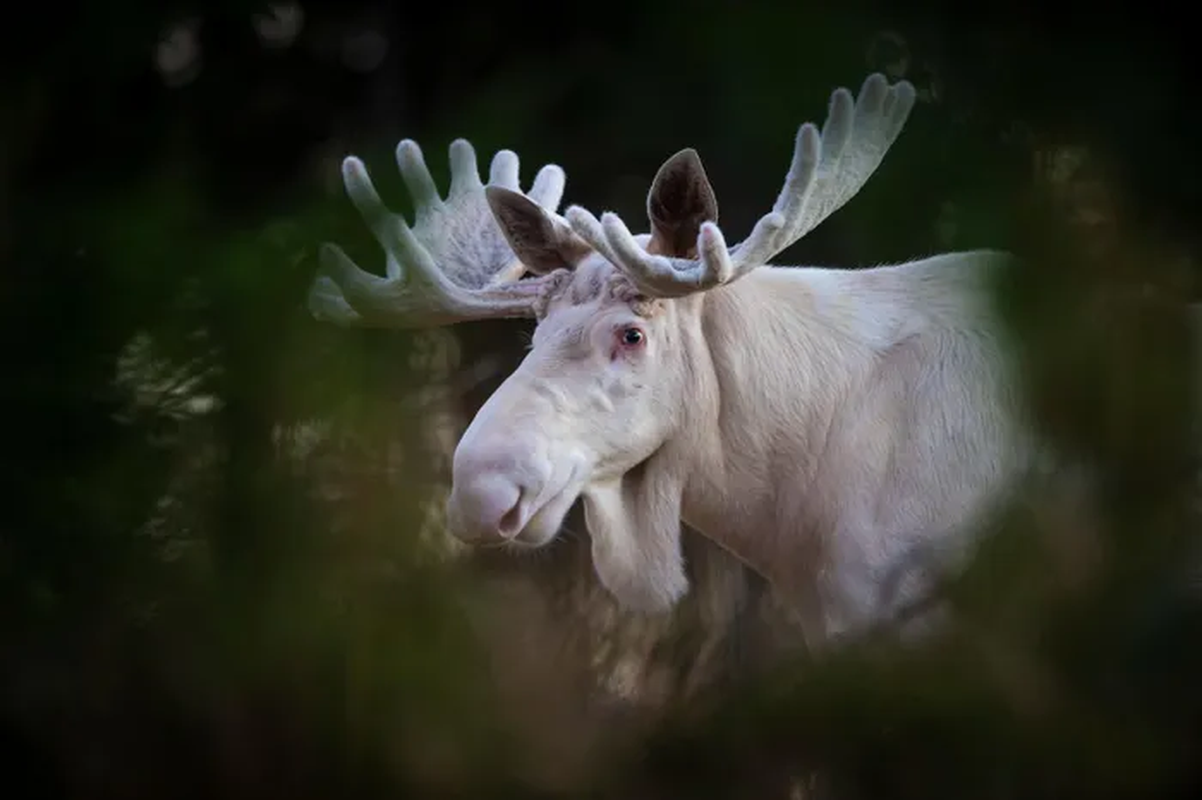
point(496, 481)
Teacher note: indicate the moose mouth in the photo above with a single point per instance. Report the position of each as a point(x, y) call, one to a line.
point(546, 512)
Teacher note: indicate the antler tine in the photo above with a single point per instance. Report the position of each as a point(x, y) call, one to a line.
point(654, 275)
point(327, 304)
point(862, 138)
point(826, 171)
point(457, 232)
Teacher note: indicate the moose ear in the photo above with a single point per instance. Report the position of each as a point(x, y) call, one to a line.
point(541, 242)
point(681, 198)
point(634, 524)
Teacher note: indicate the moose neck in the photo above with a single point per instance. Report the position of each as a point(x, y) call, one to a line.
point(780, 352)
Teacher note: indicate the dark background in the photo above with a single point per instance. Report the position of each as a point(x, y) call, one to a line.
point(190, 608)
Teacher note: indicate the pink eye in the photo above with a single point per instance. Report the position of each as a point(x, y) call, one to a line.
point(632, 337)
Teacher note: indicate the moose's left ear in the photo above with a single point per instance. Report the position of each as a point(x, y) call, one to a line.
point(542, 243)
point(681, 198)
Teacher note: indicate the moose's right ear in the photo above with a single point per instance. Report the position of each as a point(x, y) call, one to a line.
point(540, 241)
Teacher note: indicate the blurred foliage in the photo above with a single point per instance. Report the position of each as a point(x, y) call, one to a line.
point(221, 572)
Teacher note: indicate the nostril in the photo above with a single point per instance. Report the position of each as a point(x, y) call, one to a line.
point(489, 507)
point(511, 523)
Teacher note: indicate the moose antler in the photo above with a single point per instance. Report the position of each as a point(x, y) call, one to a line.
point(453, 265)
point(826, 172)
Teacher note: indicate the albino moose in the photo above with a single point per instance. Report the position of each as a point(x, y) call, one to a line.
point(823, 425)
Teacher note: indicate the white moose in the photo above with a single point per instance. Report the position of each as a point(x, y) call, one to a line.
point(823, 425)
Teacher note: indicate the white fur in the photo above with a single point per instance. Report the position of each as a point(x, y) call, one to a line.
point(824, 426)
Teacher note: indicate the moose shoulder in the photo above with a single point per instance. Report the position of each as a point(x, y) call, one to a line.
point(824, 425)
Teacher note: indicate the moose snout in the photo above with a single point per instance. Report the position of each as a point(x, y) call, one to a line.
point(495, 485)
point(485, 508)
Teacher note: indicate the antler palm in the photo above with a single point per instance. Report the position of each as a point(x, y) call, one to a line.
point(450, 264)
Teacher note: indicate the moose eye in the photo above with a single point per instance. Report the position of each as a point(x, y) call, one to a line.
point(632, 337)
